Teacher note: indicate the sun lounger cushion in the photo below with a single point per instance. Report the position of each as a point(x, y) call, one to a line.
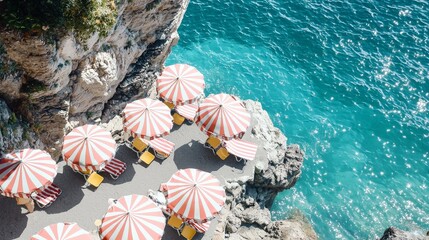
point(162, 146)
point(200, 227)
point(241, 149)
point(169, 104)
point(140, 144)
point(213, 142)
point(222, 153)
point(94, 179)
point(177, 119)
point(188, 111)
point(47, 196)
point(147, 157)
point(115, 167)
point(175, 222)
point(188, 232)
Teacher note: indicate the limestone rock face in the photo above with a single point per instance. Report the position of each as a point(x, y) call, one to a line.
point(393, 233)
point(15, 132)
point(58, 82)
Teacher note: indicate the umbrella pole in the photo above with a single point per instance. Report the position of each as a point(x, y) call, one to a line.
point(27, 202)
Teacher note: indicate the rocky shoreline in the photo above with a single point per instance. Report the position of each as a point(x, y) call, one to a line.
point(246, 213)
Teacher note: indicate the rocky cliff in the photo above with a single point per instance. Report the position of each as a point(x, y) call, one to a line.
point(55, 82)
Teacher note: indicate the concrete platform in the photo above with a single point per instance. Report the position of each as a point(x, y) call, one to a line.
point(84, 206)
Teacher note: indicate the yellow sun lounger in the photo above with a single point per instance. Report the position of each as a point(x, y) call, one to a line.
point(175, 223)
point(222, 153)
point(188, 232)
point(94, 179)
point(147, 157)
point(139, 144)
point(213, 143)
point(169, 104)
point(177, 119)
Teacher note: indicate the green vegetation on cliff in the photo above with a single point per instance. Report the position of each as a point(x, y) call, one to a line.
point(81, 16)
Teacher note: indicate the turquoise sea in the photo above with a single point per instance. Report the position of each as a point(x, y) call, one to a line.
point(348, 81)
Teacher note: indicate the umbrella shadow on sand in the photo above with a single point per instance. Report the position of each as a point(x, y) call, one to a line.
point(195, 155)
point(72, 193)
point(13, 222)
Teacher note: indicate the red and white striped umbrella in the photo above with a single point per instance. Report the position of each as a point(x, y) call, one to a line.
point(62, 231)
point(88, 147)
point(223, 115)
point(133, 217)
point(195, 194)
point(26, 171)
point(180, 84)
point(147, 118)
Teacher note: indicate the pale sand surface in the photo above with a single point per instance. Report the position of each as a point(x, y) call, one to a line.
point(84, 206)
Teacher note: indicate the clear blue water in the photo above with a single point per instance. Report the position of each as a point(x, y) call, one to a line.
point(348, 81)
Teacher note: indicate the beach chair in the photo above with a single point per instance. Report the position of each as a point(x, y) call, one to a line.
point(175, 222)
point(147, 157)
point(188, 111)
point(47, 196)
point(115, 167)
point(162, 147)
point(200, 227)
point(177, 119)
point(242, 150)
point(94, 179)
point(169, 104)
point(213, 143)
point(222, 153)
point(188, 232)
point(139, 144)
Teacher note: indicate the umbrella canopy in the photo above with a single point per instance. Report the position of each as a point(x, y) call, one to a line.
point(62, 231)
point(88, 147)
point(147, 118)
point(223, 115)
point(133, 217)
point(26, 171)
point(180, 84)
point(195, 194)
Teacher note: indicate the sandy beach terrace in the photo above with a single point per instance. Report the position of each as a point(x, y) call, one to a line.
point(84, 206)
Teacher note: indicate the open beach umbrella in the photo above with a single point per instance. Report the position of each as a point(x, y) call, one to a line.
point(25, 171)
point(195, 194)
point(180, 84)
point(147, 118)
point(88, 147)
point(133, 217)
point(62, 231)
point(223, 115)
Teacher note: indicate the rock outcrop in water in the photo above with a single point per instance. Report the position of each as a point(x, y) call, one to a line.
point(393, 233)
point(246, 214)
point(58, 82)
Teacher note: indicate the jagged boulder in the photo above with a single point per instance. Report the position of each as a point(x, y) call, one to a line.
point(393, 233)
